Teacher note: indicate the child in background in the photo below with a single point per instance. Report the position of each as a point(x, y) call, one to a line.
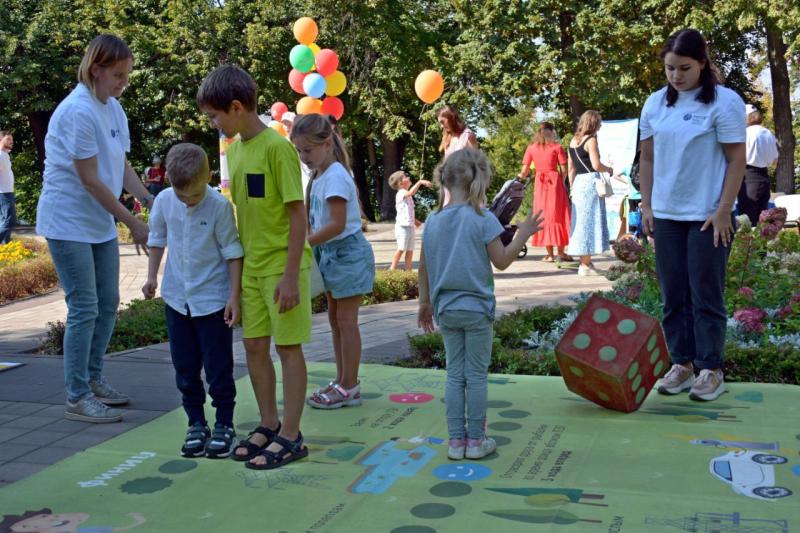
point(456, 288)
point(201, 289)
point(345, 258)
point(405, 223)
point(276, 284)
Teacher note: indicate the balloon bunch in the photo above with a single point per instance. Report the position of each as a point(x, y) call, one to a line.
point(314, 74)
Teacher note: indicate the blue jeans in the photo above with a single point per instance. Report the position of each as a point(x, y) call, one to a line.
point(89, 275)
point(203, 343)
point(8, 216)
point(468, 348)
point(692, 277)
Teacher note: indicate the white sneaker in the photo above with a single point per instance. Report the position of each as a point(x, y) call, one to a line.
point(90, 409)
point(584, 270)
point(678, 379)
point(708, 386)
point(478, 449)
point(456, 449)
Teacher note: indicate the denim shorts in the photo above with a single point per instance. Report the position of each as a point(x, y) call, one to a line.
point(347, 266)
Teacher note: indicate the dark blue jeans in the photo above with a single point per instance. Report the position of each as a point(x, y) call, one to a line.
point(203, 343)
point(691, 273)
point(8, 216)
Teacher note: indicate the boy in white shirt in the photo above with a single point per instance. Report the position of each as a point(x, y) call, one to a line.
point(405, 223)
point(201, 288)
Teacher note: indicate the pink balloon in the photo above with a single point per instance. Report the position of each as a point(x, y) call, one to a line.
point(326, 62)
point(333, 106)
point(296, 80)
point(277, 110)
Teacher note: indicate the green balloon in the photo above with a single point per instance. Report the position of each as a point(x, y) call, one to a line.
point(302, 58)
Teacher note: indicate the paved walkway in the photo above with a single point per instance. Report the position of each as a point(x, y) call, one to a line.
point(32, 397)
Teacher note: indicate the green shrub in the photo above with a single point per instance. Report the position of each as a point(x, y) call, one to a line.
point(28, 277)
point(140, 323)
point(389, 286)
point(763, 364)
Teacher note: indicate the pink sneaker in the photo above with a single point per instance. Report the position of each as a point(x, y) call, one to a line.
point(480, 448)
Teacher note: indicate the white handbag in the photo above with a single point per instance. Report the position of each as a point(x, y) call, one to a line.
point(603, 185)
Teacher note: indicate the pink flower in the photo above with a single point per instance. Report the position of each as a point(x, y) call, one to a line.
point(633, 292)
point(771, 221)
point(628, 250)
point(751, 319)
point(747, 292)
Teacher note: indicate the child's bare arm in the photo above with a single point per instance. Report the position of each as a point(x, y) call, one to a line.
point(337, 208)
point(502, 256)
point(233, 307)
point(153, 264)
point(287, 293)
point(415, 188)
point(425, 312)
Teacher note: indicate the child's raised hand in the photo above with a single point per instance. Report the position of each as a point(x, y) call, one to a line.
point(532, 223)
point(426, 183)
point(233, 312)
point(287, 294)
point(425, 317)
point(149, 289)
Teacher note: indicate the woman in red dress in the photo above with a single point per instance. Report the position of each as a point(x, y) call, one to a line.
point(548, 158)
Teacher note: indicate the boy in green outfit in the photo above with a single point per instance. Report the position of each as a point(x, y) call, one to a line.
point(267, 191)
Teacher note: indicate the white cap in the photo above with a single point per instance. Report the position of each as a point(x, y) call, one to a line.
point(288, 115)
point(749, 108)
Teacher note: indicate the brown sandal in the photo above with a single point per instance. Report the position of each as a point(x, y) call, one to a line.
point(548, 259)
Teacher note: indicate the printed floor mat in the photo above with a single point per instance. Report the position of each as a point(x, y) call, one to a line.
point(563, 464)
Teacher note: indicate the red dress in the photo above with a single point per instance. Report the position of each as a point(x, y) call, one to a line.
point(549, 194)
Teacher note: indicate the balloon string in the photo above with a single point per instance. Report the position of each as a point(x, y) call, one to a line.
point(424, 135)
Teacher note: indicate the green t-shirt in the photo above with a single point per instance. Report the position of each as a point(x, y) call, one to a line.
point(265, 175)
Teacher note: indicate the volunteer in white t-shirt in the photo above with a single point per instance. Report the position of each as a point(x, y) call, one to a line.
point(691, 166)
point(8, 204)
point(84, 171)
point(762, 151)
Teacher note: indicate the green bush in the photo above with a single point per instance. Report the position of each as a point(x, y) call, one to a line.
point(763, 364)
point(30, 276)
point(389, 286)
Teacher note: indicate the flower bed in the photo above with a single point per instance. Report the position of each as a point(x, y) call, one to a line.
point(26, 269)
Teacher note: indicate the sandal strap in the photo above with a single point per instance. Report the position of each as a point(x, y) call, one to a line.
point(293, 447)
point(269, 433)
point(196, 433)
point(225, 434)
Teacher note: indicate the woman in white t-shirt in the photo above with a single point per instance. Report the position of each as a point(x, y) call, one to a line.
point(692, 163)
point(84, 171)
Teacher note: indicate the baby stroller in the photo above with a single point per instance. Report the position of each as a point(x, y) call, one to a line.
point(505, 206)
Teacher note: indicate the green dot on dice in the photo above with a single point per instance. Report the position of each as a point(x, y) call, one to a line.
point(581, 341)
point(658, 368)
point(633, 370)
point(654, 355)
point(608, 353)
point(651, 342)
point(626, 327)
point(577, 371)
point(602, 315)
point(636, 382)
point(603, 396)
point(640, 395)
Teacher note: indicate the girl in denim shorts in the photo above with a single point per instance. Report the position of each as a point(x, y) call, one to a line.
point(345, 258)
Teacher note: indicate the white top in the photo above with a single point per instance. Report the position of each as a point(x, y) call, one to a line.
point(81, 127)
point(201, 239)
point(689, 163)
point(335, 182)
point(404, 205)
point(6, 174)
point(762, 148)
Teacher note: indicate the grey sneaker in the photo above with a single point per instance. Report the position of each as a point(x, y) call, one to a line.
point(90, 409)
point(106, 393)
point(456, 449)
point(480, 448)
point(678, 379)
point(584, 270)
point(708, 386)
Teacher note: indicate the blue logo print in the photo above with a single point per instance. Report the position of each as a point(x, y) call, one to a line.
point(114, 133)
point(687, 116)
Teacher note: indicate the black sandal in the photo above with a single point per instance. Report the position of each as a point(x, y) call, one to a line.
point(295, 450)
point(220, 443)
point(252, 448)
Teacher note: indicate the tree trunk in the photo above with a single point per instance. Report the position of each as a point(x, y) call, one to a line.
point(360, 176)
point(392, 160)
point(38, 121)
point(374, 171)
point(781, 110)
point(565, 22)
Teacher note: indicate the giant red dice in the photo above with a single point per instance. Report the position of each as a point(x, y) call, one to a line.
point(612, 354)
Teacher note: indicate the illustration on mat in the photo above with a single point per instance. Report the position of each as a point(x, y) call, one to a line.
point(750, 474)
point(45, 521)
point(547, 497)
point(386, 464)
point(531, 516)
point(741, 445)
point(721, 523)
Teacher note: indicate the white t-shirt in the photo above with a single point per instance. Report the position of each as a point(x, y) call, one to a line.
point(689, 163)
point(335, 182)
point(404, 205)
point(762, 148)
point(81, 127)
point(6, 174)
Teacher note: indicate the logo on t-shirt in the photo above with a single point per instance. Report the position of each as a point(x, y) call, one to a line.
point(114, 133)
point(687, 116)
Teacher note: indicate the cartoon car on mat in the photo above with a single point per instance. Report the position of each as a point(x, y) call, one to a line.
point(750, 473)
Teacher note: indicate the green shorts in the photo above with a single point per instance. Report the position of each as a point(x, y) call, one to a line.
point(260, 316)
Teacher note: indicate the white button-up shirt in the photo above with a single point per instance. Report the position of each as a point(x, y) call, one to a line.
point(762, 148)
point(200, 241)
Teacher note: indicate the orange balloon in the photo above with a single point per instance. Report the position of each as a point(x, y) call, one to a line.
point(309, 106)
point(280, 128)
point(429, 86)
point(305, 30)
